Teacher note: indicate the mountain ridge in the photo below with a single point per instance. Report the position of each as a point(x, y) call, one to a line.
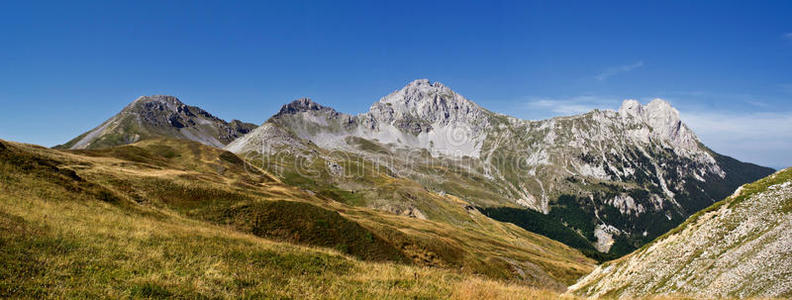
point(616, 178)
point(417, 105)
point(621, 169)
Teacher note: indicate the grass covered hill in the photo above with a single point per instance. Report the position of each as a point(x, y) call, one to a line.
point(174, 218)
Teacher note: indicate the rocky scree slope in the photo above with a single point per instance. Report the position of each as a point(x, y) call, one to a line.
point(604, 181)
point(740, 247)
point(160, 117)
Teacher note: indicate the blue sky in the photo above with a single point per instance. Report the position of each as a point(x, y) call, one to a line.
point(727, 66)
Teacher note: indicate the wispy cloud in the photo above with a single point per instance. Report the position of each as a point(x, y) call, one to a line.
point(618, 70)
point(787, 36)
point(763, 138)
point(569, 106)
point(757, 103)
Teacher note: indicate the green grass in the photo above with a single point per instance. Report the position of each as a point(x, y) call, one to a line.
point(304, 223)
point(108, 224)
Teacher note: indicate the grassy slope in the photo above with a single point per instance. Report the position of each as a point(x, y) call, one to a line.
point(124, 133)
point(172, 218)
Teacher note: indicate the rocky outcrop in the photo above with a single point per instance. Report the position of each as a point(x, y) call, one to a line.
point(304, 105)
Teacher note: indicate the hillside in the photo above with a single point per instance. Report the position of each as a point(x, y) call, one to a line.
point(605, 182)
point(163, 218)
point(160, 116)
point(740, 247)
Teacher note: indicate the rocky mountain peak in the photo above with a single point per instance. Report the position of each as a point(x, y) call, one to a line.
point(424, 83)
point(665, 120)
point(662, 118)
point(659, 104)
point(420, 90)
point(631, 107)
point(301, 105)
point(161, 99)
point(657, 109)
point(159, 116)
point(662, 111)
point(427, 102)
point(155, 103)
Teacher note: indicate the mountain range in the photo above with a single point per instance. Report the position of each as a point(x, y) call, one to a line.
point(425, 182)
point(605, 182)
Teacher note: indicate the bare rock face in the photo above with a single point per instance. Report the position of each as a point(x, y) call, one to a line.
point(618, 178)
point(429, 116)
point(432, 103)
point(740, 247)
point(160, 116)
point(663, 120)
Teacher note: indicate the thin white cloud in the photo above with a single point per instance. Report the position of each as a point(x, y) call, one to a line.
point(787, 36)
point(618, 70)
point(757, 103)
point(568, 106)
point(762, 138)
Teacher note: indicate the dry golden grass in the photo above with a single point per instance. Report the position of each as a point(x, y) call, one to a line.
point(114, 253)
point(64, 237)
point(89, 224)
point(476, 288)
